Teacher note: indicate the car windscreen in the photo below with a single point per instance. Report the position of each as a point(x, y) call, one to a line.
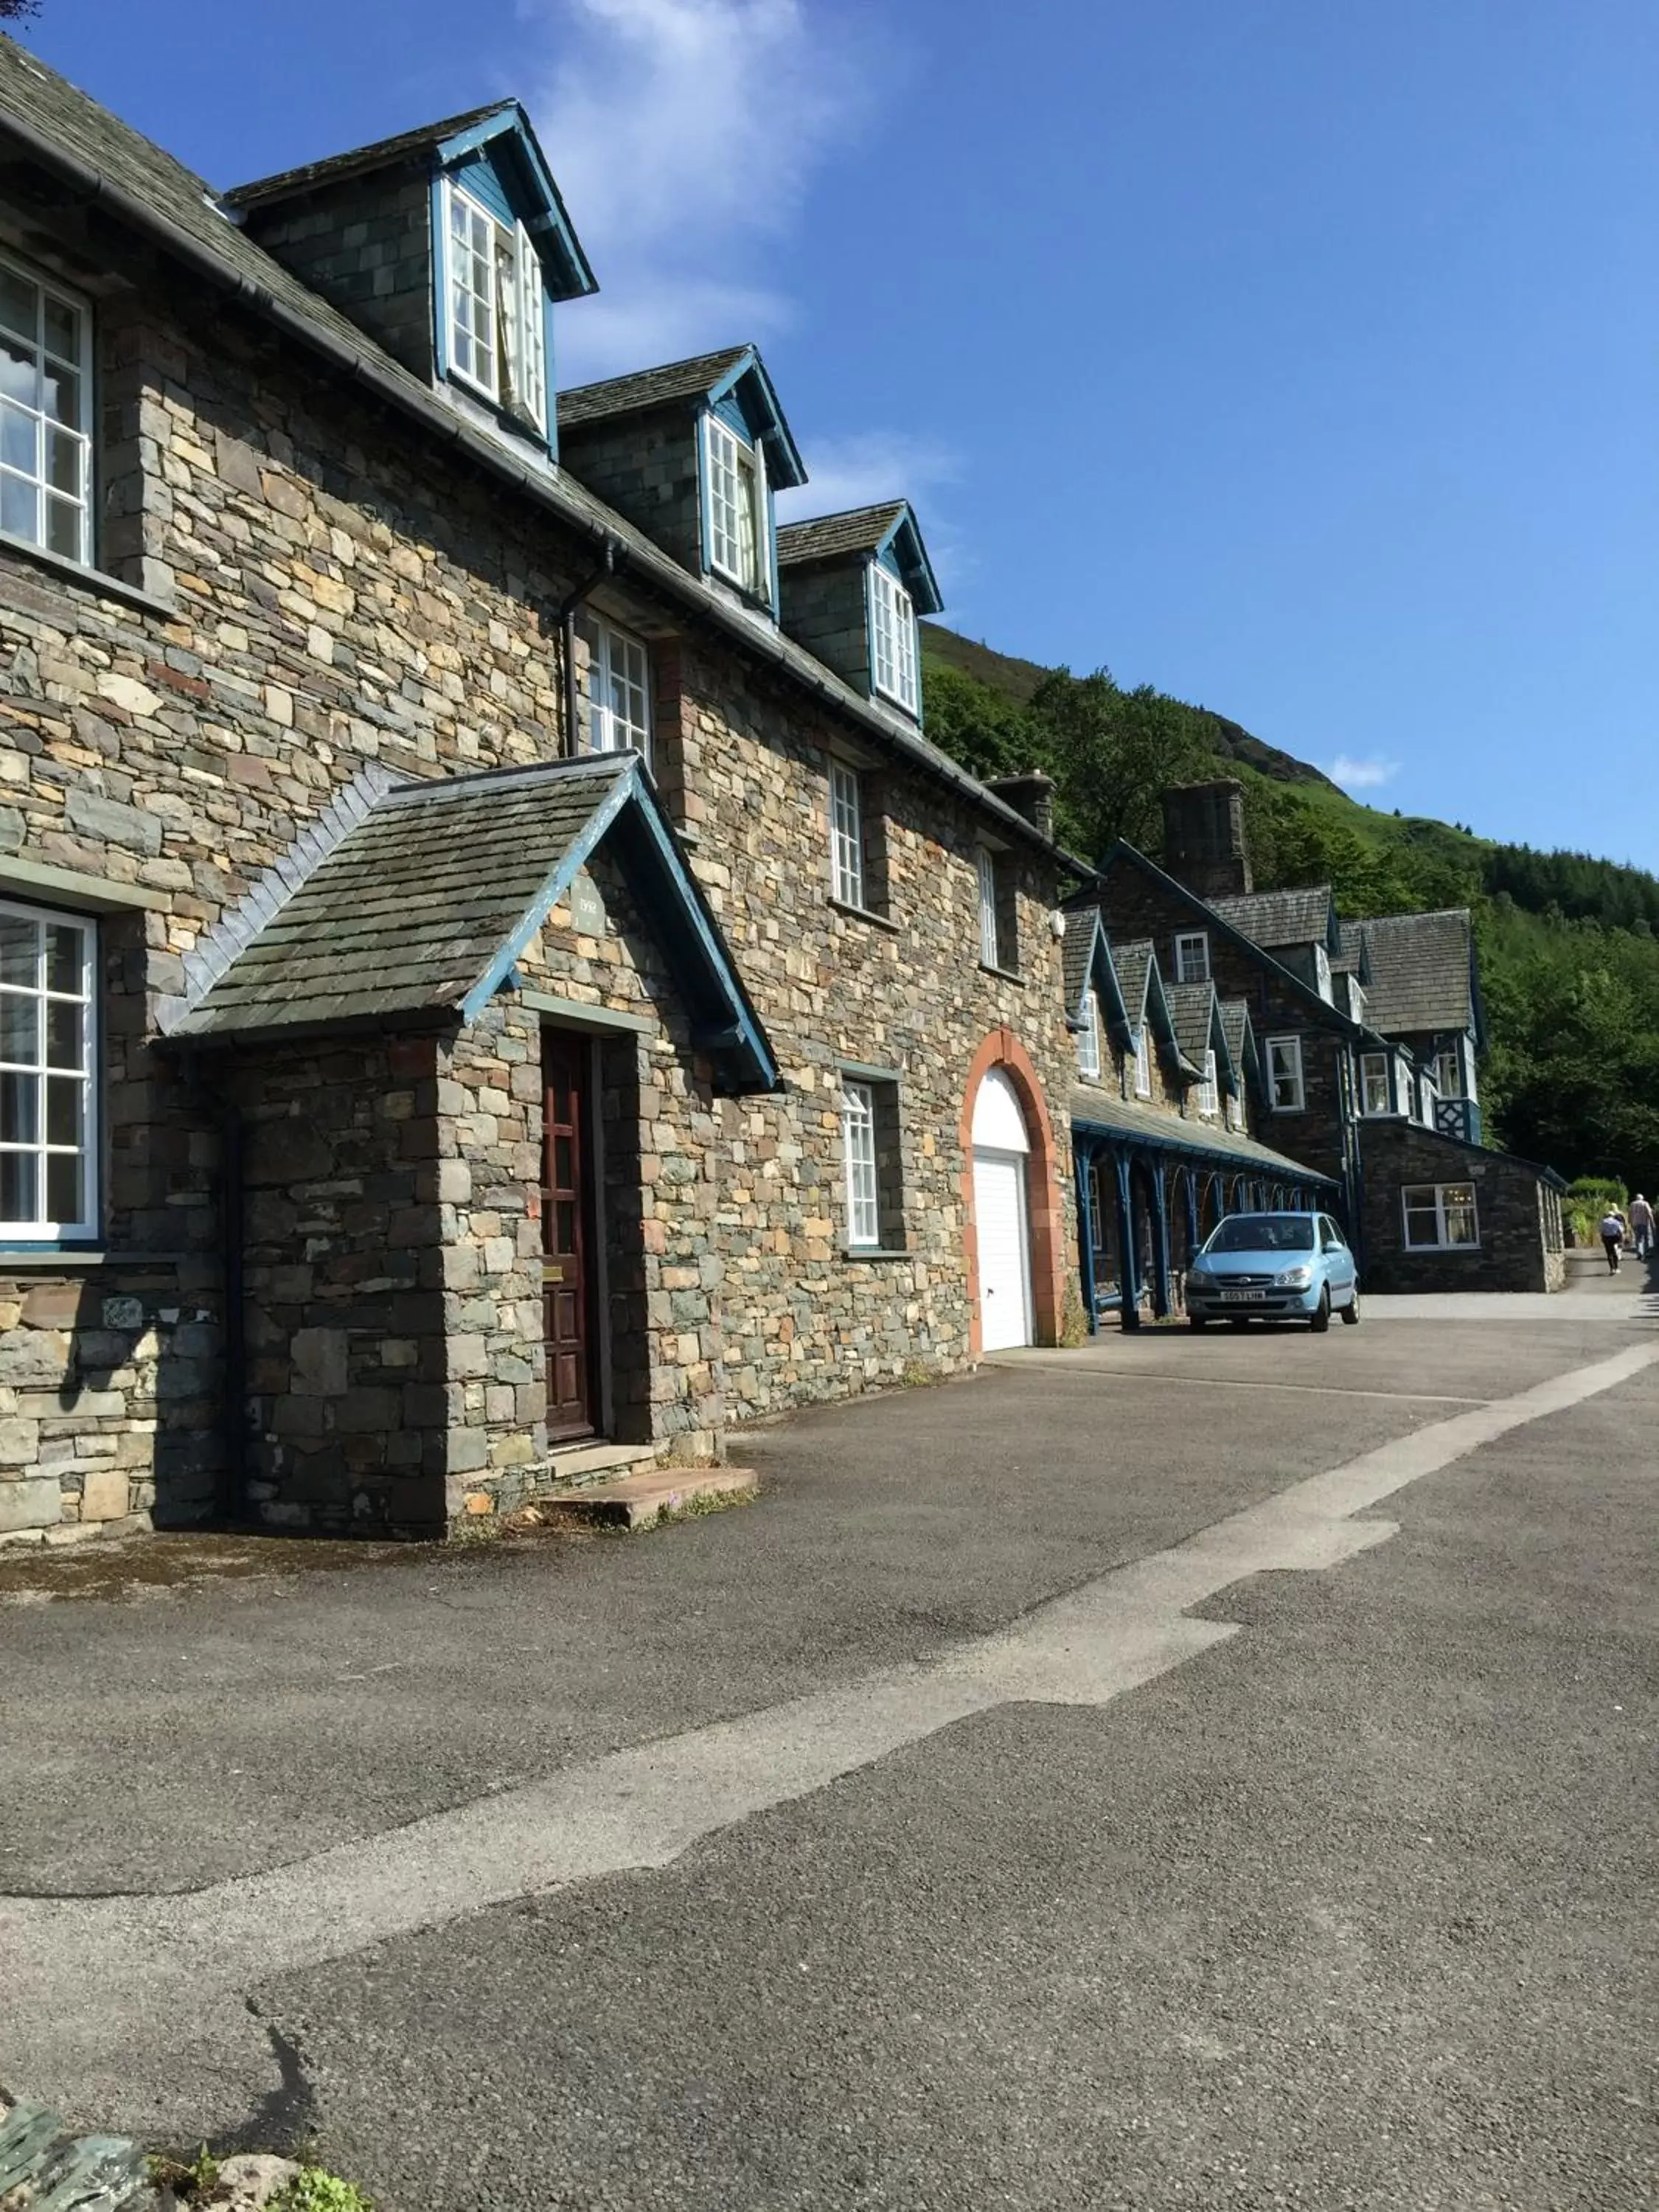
point(1263, 1232)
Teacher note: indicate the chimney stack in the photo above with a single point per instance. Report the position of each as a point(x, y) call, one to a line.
point(1032, 795)
point(1203, 842)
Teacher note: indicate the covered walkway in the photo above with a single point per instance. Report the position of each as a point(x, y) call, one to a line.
point(1150, 1189)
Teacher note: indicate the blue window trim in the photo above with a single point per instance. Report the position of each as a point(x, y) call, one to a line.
point(445, 179)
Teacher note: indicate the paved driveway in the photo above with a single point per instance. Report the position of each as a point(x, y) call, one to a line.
point(1058, 1790)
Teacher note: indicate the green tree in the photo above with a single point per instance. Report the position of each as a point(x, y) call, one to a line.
point(1114, 751)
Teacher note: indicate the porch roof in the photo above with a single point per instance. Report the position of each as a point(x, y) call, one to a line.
point(1094, 1114)
point(412, 902)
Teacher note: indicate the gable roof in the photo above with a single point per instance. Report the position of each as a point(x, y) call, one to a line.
point(1193, 1009)
point(413, 899)
point(502, 125)
point(1422, 972)
point(137, 183)
point(868, 530)
point(1292, 917)
point(1330, 1015)
point(1086, 958)
point(706, 377)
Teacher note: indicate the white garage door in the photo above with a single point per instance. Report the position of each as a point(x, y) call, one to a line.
point(1004, 1302)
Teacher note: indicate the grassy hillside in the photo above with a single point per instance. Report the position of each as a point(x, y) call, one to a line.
point(1568, 944)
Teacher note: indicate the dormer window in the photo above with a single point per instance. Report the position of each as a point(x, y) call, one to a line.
point(893, 639)
point(1209, 1104)
point(1088, 1040)
point(738, 538)
point(497, 331)
point(1143, 1063)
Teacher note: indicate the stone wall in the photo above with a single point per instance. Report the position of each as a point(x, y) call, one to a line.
point(645, 467)
point(338, 592)
point(365, 243)
point(1320, 1136)
point(826, 608)
point(1520, 1247)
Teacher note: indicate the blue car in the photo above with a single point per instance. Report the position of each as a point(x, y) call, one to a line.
point(1274, 1267)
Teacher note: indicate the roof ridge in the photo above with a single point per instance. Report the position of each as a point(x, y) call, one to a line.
point(658, 368)
point(279, 181)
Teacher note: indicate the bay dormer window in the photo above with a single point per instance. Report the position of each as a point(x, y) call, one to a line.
point(739, 540)
point(496, 311)
point(893, 639)
point(46, 414)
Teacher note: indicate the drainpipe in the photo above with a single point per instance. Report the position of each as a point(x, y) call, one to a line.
point(233, 1377)
point(568, 608)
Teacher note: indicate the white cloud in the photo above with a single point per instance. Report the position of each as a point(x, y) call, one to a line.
point(871, 465)
point(1361, 775)
point(684, 134)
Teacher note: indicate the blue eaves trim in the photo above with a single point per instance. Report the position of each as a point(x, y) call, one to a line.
point(1287, 1171)
point(903, 541)
point(685, 927)
point(509, 136)
point(747, 383)
point(559, 881)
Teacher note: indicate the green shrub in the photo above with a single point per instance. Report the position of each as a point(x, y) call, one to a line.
point(312, 2190)
point(1587, 1200)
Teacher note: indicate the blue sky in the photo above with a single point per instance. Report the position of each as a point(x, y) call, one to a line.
point(1296, 358)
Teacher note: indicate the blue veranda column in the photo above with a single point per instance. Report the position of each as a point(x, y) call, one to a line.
point(1083, 1153)
point(1160, 1240)
point(1129, 1260)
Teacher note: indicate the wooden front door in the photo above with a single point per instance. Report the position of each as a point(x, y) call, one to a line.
point(567, 1269)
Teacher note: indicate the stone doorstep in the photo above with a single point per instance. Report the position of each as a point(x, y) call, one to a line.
point(639, 1501)
point(594, 1462)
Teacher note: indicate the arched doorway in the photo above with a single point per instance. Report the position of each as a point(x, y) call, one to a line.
point(1002, 1148)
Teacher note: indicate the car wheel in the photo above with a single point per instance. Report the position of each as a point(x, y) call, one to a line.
point(1320, 1320)
point(1198, 1321)
point(1351, 1311)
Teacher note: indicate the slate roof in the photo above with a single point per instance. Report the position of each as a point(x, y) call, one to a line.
point(382, 153)
point(1351, 953)
point(1422, 972)
point(646, 387)
point(1190, 1005)
point(1132, 961)
point(408, 910)
point(1293, 917)
point(858, 530)
point(1077, 962)
point(139, 183)
point(1097, 1110)
point(409, 902)
point(1236, 1027)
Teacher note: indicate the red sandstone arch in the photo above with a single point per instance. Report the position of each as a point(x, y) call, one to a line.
point(1045, 1206)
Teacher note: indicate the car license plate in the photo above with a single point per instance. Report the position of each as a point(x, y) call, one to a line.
point(1240, 1298)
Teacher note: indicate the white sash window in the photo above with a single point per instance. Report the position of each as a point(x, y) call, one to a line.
point(496, 309)
point(45, 415)
point(47, 1047)
point(738, 546)
point(893, 624)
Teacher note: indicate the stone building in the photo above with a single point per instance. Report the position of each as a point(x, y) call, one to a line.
point(1369, 1036)
point(490, 985)
point(1169, 1088)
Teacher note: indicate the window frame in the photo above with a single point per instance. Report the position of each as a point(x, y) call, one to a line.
point(1209, 1089)
point(1441, 1242)
point(745, 464)
point(1369, 1063)
point(604, 638)
point(45, 493)
point(1192, 975)
point(990, 918)
point(518, 307)
point(1449, 1054)
point(1088, 1040)
point(861, 1206)
point(1323, 975)
point(847, 858)
point(1293, 1045)
point(1143, 1062)
point(893, 632)
point(43, 1230)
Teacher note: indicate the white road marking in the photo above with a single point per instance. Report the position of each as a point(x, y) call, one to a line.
point(90, 1984)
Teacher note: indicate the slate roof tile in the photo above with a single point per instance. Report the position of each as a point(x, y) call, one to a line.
point(1292, 917)
point(858, 530)
point(1100, 1110)
point(646, 387)
point(381, 153)
point(1421, 969)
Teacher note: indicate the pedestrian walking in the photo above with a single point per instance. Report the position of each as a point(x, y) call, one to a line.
point(1641, 1227)
point(1613, 1235)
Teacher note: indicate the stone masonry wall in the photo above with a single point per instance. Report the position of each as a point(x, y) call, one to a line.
point(1133, 907)
point(365, 243)
point(645, 467)
point(826, 608)
point(1519, 1250)
point(342, 591)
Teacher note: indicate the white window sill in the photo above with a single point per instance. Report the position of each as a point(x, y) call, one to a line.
point(90, 580)
point(1449, 1251)
point(59, 1258)
point(864, 913)
point(873, 1252)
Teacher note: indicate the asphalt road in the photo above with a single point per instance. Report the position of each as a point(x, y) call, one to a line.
point(1059, 1790)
